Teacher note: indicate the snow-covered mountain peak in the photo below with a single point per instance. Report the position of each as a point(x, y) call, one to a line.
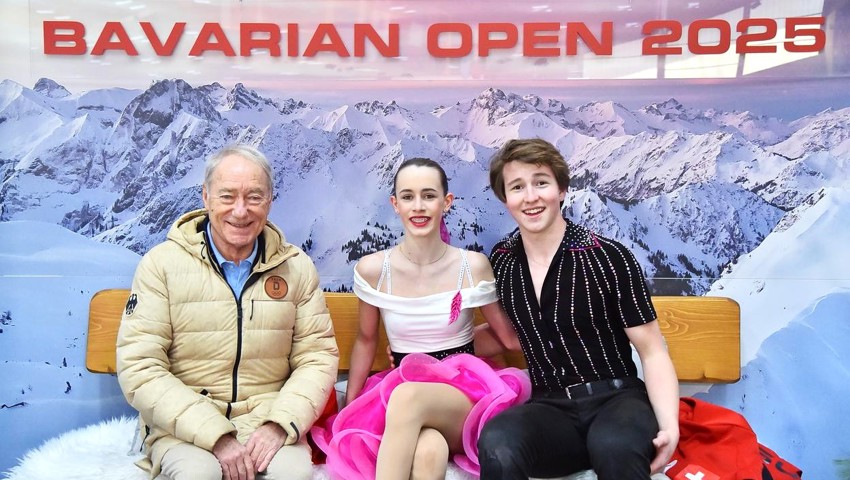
point(500, 103)
point(674, 112)
point(606, 109)
point(50, 88)
point(10, 87)
point(216, 92)
point(669, 106)
point(242, 98)
point(605, 119)
point(376, 107)
point(536, 101)
point(828, 131)
point(158, 104)
point(491, 95)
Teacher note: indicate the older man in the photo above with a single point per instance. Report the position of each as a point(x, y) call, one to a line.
point(226, 347)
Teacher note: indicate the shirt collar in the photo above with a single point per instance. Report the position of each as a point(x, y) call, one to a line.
point(576, 238)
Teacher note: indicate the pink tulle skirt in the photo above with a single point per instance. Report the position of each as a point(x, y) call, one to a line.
point(351, 438)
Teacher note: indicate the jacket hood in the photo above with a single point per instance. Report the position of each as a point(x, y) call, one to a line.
point(189, 231)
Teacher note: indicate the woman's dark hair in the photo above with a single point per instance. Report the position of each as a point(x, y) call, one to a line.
point(423, 162)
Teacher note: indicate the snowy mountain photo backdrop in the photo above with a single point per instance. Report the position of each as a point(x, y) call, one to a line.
point(712, 202)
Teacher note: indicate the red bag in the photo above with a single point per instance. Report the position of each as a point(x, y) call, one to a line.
point(714, 443)
point(776, 467)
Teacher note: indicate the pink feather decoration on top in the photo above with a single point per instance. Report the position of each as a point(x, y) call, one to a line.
point(455, 313)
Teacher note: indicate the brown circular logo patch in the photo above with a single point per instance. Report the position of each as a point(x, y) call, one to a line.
point(276, 287)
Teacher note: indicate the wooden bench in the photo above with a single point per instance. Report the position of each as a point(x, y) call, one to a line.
point(702, 334)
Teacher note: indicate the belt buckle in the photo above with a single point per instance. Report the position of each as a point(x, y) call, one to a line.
point(579, 391)
point(617, 383)
point(576, 391)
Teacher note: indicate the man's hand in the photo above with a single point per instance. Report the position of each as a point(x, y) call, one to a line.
point(264, 443)
point(665, 443)
point(235, 461)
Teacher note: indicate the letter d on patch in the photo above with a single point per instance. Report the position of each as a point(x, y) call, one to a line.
point(276, 287)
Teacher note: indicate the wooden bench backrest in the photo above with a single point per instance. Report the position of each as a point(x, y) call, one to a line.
point(702, 333)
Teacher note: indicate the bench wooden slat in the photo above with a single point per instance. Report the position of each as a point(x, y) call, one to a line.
point(703, 337)
point(344, 313)
point(702, 333)
point(105, 311)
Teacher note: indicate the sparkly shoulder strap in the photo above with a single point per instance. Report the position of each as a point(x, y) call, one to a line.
point(464, 268)
point(385, 272)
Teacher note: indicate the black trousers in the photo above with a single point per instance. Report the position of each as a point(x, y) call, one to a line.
point(554, 436)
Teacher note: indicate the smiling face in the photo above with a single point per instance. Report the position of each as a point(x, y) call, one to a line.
point(238, 201)
point(533, 197)
point(420, 200)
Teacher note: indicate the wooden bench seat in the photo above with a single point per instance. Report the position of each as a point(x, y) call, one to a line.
point(702, 334)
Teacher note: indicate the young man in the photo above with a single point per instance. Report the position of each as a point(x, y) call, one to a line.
point(576, 301)
point(226, 347)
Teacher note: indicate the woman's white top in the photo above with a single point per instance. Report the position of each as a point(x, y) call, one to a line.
point(426, 324)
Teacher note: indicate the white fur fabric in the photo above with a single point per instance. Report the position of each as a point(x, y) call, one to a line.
point(101, 452)
point(98, 451)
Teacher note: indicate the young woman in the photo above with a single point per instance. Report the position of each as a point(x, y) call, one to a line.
point(405, 422)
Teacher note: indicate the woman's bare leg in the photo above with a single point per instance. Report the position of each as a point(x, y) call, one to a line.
point(431, 459)
point(412, 407)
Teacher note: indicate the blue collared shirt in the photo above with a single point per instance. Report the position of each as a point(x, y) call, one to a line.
point(236, 275)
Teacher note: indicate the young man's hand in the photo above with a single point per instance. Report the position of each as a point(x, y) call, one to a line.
point(665, 445)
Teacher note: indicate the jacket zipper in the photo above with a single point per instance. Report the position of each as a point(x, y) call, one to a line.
point(252, 278)
point(235, 378)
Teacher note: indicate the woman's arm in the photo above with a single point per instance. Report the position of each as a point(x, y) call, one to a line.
point(662, 385)
point(497, 335)
point(485, 342)
point(363, 350)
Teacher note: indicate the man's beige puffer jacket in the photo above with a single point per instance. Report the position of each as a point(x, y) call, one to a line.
point(198, 363)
